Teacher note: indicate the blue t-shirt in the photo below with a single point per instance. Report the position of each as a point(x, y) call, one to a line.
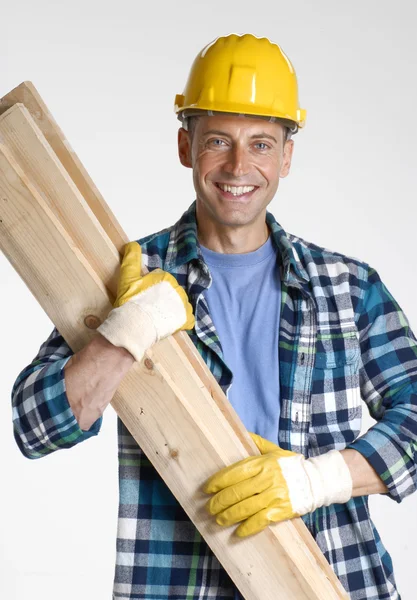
point(244, 300)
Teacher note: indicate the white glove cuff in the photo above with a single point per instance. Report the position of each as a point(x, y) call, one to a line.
point(129, 327)
point(330, 479)
point(145, 319)
point(298, 482)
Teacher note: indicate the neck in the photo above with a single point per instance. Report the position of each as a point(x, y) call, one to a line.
point(231, 239)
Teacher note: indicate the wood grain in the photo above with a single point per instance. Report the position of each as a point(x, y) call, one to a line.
point(27, 94)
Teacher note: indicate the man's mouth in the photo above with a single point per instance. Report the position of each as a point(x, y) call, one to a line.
point(240, 191)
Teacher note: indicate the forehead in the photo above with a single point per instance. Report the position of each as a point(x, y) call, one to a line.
point(236, 124)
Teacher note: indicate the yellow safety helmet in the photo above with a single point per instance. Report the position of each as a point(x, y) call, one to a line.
point(242, 74)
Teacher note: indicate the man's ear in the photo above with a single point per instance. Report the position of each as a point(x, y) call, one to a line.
point(286, 159)
point(184, 147)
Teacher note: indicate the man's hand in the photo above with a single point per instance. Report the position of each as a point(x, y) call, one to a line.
point(276, 486)
point(147, 308)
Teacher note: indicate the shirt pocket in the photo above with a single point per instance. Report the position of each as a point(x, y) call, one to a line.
point(336, 405)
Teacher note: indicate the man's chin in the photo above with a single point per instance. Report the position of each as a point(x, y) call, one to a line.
point(235, 216)
point(228, 212)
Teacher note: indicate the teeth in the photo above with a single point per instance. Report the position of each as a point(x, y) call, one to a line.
point(236, 191)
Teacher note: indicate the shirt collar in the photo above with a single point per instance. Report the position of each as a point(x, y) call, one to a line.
point(183, 245)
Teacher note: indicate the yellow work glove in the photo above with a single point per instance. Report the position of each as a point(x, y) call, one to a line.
point(147, 308)
point(276, 486)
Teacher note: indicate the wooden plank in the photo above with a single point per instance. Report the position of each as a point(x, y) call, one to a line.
point(27, 94)
point(20, 134)
point(165, 357)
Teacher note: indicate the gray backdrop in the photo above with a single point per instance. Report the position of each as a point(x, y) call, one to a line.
point(109, 72)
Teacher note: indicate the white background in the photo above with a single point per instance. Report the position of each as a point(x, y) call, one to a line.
point(109, 72)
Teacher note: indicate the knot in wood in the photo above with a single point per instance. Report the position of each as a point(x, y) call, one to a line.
point(92, 322)
point(148, 364)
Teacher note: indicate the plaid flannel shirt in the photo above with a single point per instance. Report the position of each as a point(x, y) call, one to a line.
point(343, 339)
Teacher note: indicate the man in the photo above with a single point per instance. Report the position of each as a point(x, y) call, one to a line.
point(305, 334)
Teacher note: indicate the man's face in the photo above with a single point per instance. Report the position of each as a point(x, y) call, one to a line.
point(237, 163)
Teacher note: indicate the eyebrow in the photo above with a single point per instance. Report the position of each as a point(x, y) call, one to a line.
point(263, 134)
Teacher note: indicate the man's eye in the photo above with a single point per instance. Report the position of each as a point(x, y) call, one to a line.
point(262, 146)
point(216, 142)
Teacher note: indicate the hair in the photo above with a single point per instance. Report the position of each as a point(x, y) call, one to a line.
point(189, 124)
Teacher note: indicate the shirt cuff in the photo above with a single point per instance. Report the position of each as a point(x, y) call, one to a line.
point(60, 412)
point(394, 466)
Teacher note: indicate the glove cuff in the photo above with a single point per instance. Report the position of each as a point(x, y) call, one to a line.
point(129, 327)
point(330, 479)
point(298, 483)
point(146, 318)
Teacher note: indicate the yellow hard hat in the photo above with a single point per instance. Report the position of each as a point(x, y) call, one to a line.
point(242, 74)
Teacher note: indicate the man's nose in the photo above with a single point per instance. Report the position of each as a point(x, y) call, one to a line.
point(237, 163)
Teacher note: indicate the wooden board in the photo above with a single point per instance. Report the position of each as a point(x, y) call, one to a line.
point(27, 94)
point(269, 556)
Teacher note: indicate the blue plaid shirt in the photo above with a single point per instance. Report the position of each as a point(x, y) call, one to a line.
point(343, 341)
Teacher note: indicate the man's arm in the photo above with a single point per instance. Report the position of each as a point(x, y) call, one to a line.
point(59, 399)
point(92, 377)
point(43, 420)
point(365, 480)
point(280, 485)
point(388, 381)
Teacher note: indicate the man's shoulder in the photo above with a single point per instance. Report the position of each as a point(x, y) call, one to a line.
point(332, 274)
point(157, 239)
point(320, 254)
point(330, 270)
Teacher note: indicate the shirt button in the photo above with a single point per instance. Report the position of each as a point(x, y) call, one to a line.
point(302, 358)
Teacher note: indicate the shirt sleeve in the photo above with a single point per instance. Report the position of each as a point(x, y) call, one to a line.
point(388, 381)
point(42, 417)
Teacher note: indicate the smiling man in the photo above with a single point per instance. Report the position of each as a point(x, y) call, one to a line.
point(237, 163)
point(299, 338)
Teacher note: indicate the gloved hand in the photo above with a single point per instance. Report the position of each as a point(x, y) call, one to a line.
point(147, 308)
point(276, 486)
